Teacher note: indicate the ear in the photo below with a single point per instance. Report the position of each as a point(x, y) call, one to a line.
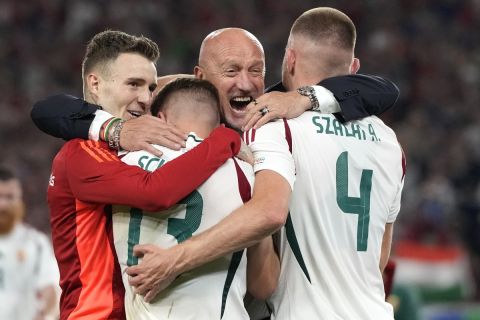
point(161, 115)
point(355, 66)
point(291, 60)
point(93, 81)
point(198, 72)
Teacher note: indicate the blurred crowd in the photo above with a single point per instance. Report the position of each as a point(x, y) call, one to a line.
point(429, 48)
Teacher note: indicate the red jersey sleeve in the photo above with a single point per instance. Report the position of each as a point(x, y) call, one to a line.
point(96, 174)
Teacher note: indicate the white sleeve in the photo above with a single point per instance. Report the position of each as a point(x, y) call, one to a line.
point(395, 208)
point(326, 100)
point(100, 118)
point(271, 151)
point(48, 273)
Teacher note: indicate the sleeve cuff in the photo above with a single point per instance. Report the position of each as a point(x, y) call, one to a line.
point(100, 117)
point(326, 99)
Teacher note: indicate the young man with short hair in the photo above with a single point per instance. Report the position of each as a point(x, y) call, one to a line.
point(215, 290)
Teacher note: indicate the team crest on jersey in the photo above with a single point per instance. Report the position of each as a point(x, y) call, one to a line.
point(259, 160)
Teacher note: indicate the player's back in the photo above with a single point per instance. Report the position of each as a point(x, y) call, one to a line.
point(210, 291)
point(348, 180)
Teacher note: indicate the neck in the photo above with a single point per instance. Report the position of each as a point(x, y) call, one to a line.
point(301, 80)
point(191, 124)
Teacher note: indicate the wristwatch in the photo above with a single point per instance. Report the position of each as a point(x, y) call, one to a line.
point(309, 92)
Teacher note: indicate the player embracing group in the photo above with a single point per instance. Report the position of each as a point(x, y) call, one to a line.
point(184, 228)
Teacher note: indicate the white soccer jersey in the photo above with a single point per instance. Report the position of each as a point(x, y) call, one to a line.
point(27, 264)
point(212, 291)
point(346, 182)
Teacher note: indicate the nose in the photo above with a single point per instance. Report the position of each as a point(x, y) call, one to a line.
point(145, 98)
point(245, 82)
point(3, 203)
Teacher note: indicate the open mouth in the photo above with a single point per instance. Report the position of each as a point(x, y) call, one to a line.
point(240, 103)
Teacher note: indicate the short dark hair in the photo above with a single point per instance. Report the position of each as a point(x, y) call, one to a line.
point(326, 24)
point(195, 87)
point(6, 174)
point(107, 45)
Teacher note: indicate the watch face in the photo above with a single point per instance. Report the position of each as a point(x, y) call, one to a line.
point(305, 91)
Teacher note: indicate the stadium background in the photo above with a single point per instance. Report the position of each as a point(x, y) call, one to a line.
point(430, 49)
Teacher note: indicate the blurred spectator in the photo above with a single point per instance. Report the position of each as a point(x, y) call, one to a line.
point(28, 270)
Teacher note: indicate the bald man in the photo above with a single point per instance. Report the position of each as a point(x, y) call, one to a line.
point(233, 60)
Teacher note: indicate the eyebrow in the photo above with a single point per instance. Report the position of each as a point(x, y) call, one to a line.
point(141, 80)
point(236, 63)
point(136, 79)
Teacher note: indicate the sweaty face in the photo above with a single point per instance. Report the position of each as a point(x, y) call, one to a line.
point(236, 67)
point(11, 205)
point(126, 87)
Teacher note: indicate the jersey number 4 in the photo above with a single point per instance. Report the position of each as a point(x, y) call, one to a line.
point(353, 205)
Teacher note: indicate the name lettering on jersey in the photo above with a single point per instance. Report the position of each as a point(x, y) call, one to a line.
point(372, 133)
point(150, 163)
point(328, 125)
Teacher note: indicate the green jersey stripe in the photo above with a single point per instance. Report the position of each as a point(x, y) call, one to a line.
point(133, 234)
point(232, 269)
point(292, 241)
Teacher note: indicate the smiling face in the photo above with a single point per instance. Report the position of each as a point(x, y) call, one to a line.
point(234, 62)
point(124, 87)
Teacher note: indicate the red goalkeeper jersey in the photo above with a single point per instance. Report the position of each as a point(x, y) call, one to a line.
point(86, 177)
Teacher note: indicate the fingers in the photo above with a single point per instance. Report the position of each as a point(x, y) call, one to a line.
point(260, 117)
point(246, 154)
point(139, 281)
point(144, 285)
point(133, 270)
point(252, 115)
point(251, 119)
point(261, 111)
point(141, 249)
point(141, 289)
point(168, 136)
point(167, 140)
point(264, 119)
point(150, 148)
point(134, 279)
point(151, 295)
point(136, 133)
point(280, 104)
point(176, 134)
